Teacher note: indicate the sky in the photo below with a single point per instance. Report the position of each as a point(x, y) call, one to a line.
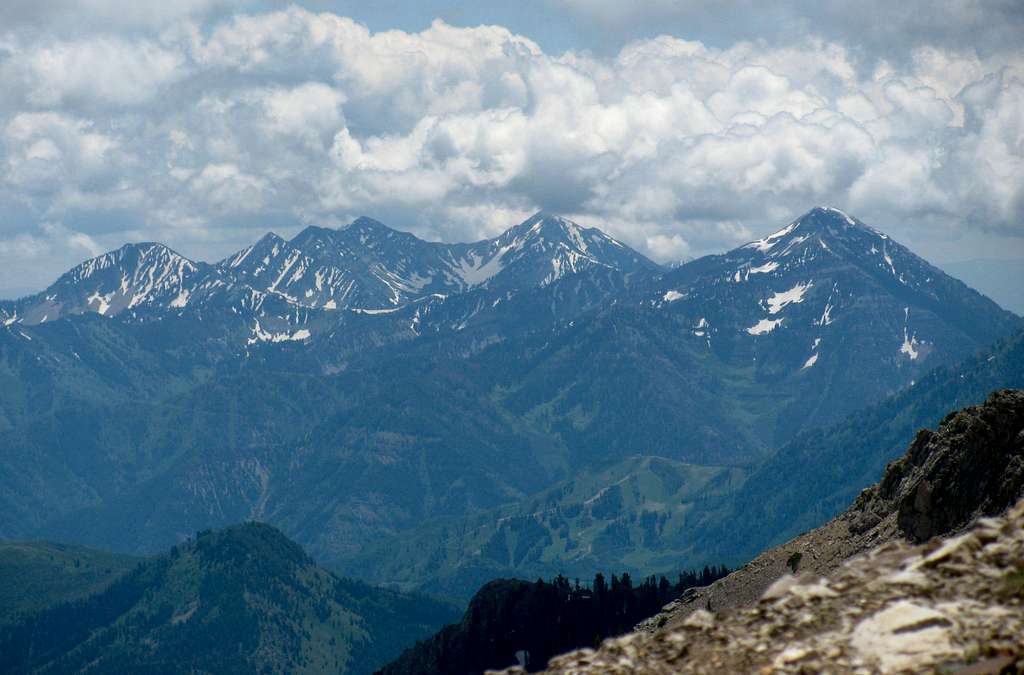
point(681, 127)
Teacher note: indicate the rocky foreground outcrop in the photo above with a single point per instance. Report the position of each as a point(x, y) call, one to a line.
point(949, 606)
point(861, 594)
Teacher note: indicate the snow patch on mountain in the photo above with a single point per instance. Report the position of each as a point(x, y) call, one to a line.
point(764, 326)
point(909, 346)
point(888, 260)
point(764, 269)
point(778, 301)
point(381, 310)
point(672, 296)
point(475, 269)
point(179, 301)
point(766, 244)
point(261, 335)
point(102, 302)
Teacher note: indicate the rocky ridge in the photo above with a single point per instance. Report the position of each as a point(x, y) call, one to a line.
point(897, 605)
point(945, 606)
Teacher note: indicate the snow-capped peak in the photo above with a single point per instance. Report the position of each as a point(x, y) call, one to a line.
point(133, 258)
point(365, 265)
point(547, 247)
point(133, 276)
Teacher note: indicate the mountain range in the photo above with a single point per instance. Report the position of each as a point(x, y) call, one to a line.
point(355, 385)
point(277, 290)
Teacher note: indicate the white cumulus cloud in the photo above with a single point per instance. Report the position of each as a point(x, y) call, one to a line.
point(205, 134)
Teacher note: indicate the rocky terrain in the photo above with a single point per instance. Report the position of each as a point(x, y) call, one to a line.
point(860, 594)
point(953, 606)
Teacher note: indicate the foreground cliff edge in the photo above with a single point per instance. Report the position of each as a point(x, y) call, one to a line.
point(859, 594)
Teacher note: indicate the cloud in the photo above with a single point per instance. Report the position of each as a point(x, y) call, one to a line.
point(109, 72)
point(47, 152)
point(205, 134)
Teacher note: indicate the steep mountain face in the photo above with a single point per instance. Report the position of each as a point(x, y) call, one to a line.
point(245, 599)
point(972, 466)
point(968, 468)
point(831, 306)
point(943, 604)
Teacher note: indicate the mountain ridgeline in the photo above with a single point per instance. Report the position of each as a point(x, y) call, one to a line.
point(278, 290)
point(240, 600)
point(545, 401)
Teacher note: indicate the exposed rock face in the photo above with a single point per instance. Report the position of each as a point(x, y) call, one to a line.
point(897, 608)
point(947, 606)
point(974, 465)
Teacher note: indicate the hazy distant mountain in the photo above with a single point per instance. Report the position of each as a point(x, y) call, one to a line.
point(650, 513)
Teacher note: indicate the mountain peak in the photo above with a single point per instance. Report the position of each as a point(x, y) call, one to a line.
point(130, 257)
point(544, 220)
point(269, 245)
point(252, 541)
point(270, 238)
point(552, 246)
point(830, 218)
point(367, 225)
point(544, 228)
point(821, 224)
point(144, 247)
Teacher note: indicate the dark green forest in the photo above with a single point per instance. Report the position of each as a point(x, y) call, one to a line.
point(240, 600)
point(542, 619)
